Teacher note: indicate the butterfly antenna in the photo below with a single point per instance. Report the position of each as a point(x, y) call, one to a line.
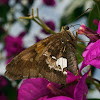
point(81, 40)
point(81, 14)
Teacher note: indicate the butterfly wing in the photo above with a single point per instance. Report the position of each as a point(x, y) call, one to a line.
point(52, 68)
point(24, 64)
point(42, 60)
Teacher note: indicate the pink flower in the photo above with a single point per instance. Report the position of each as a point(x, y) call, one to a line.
point(4, 2)
point(3, 82)
point(22, 34)
point(92, 57)
point(37, 39)
point(92, 52)
point(96, 22)
point(42, 89)
point(91, 34)
point(50, 24)
point(49, 2)
point(3, 97)
point(13, 46)
point(98, 31)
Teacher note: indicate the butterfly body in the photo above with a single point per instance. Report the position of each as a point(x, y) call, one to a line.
point(49, 58)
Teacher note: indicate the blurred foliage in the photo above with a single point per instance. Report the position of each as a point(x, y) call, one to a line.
point(73, 12)
point(5, 9)
point(25, 11)
point(80, 48)
point(2, 34)
point(69, 19)
point(93, 15)
point(9, 91)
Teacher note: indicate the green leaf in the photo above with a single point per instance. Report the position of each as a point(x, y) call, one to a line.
point(98, 6)
point(2, 34)
point(9, 91)
point(68, 19)
point(80, 48)
point(93, 15)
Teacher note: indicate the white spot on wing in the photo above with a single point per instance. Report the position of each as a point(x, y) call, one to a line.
point(65, 72)
point(62, 62)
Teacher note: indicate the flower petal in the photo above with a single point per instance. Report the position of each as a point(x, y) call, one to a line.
point(87, 48)
point(81, 89)
point(71, 77)
point(55, 89)
point(3, 82)
point(98, 31)
point(33, 88)
point(60, 98)
point(49, 2)
point(3, 97)
point(95, 22)
point(93, 56)
point(37, 39)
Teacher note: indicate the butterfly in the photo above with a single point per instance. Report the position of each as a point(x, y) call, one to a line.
point(50, 58)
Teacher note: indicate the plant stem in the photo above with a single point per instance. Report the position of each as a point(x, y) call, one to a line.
point(94, 82)
point(39, 22)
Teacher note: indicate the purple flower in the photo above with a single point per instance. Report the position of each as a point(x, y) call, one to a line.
point(13, 46)
point(3, 97)
point(98, 31)
point(81, 88)
point(50, 24)
point(22, 34)
point(49, 2)
point(42, 89)
point(37, 39)
point(92, 52)
point(91, 34)
point(96, 22)
point(3, 82)
point(3, 2)
point(92, 57)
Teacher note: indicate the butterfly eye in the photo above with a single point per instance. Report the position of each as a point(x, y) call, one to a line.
point(66, 27)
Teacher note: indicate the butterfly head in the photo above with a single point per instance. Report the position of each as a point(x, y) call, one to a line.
point(71, 38)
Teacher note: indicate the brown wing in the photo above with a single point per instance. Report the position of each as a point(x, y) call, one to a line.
point(56, 49)
point(40, 60)
point(24, 64)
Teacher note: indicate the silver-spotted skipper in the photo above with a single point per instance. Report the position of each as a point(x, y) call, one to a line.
point(49, 58)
